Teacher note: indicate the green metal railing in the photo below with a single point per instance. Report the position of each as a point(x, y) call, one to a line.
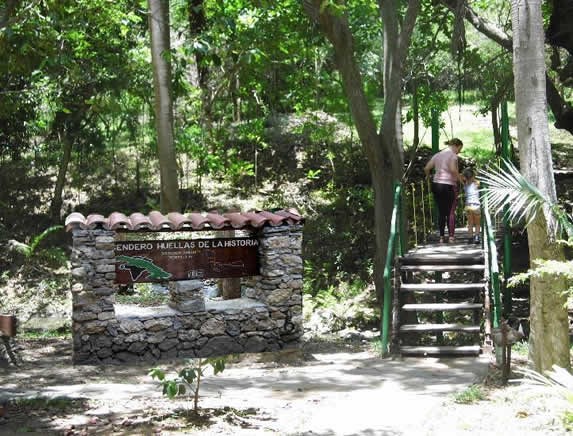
point(492, 264)
point(506, 157)
point(395, 247)
point(422, 222)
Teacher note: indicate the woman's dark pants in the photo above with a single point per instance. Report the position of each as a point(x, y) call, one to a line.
point(445, 197)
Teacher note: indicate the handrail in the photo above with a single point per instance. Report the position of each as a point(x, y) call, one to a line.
point(493, 266)
point(395, 224)
point(395, 246)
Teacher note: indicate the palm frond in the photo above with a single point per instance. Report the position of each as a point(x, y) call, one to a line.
point(510, 192)
point(39, 238)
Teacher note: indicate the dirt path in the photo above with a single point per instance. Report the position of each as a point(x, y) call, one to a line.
point(321, 389)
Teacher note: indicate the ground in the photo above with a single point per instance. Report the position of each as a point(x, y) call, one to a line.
point(324, 387)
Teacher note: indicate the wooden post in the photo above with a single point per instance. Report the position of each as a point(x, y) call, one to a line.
point(231, 287)
point(7, 325)
point(7, 331)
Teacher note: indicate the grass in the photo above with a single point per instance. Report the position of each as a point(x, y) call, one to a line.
point(34, 403)
point(376, 346)
point(520, 349)
point(568, 420)
point(58, 333)
point(143, 295)
point(470, 395)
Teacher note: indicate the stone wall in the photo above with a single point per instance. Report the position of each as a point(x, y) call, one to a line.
point(267, 317)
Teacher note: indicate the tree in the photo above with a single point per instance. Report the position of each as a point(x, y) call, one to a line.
point(160, 58)
point(62, 61)
point(561, 13)
point(384, 148)
point(549, 326)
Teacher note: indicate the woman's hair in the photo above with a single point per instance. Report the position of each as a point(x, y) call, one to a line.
point(468, 173)
point(455, 141)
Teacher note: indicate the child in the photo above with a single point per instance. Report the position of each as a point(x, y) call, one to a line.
point(473, 207)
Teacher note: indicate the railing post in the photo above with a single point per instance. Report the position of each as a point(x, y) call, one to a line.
point(493, 266)
point(387, 303)
point(506, 157)
point(493, 270)
point(435, 149)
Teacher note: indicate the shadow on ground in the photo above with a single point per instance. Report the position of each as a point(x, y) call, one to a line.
point(318, 389)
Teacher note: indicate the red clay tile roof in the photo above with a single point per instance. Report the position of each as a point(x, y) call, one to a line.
point(178, 221)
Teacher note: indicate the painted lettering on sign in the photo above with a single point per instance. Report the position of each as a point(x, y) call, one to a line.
point(153, 261)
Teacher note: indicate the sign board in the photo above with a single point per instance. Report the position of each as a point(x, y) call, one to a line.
point(172, 260)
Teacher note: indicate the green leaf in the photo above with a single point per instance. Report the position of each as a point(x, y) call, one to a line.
point(171, 389)
point(218, 364)
point(510, 192)
point(39, 238)
point(188, 374)
point(157, 373)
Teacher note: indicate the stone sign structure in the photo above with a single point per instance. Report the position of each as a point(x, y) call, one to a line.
point(267, 317)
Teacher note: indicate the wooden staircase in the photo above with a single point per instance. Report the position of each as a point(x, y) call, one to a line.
point(439, 300)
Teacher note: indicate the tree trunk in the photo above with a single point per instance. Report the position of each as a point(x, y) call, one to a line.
point(415, 116)
point(383, 150)
point(231, 287)
point(198, 24)
point(160, 52)
point(56, 205)
point(549, 327)
point(548, 318)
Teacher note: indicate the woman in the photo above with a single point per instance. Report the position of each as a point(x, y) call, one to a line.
point(445, 185)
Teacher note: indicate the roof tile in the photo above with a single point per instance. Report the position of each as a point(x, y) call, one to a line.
point(117, 220)
point(140, 221)
point(178, 221)
point(74, 220)
point(217, 221)
point(160, 221)
point(198, 221)
point(237, 220)
point(291, 214)
point(256, 219)
point(274, 218)
point(95, 220)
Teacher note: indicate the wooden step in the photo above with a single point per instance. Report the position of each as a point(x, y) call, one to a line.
point(441, 287)
point(443, 258)
point(443, 268)
point(440, 254)
point(435, 307)
point(440, 327)
point(443, 350)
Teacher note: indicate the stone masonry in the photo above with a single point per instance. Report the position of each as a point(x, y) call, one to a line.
point(267, 317)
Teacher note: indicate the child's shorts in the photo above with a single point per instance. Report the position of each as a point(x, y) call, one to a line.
point(471, 208)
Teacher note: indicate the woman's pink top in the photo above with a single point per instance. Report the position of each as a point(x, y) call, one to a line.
point(442, 163)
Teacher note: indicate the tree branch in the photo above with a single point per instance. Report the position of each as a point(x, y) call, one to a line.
point(482, 25)
point(337, 30)
point(561, 109)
